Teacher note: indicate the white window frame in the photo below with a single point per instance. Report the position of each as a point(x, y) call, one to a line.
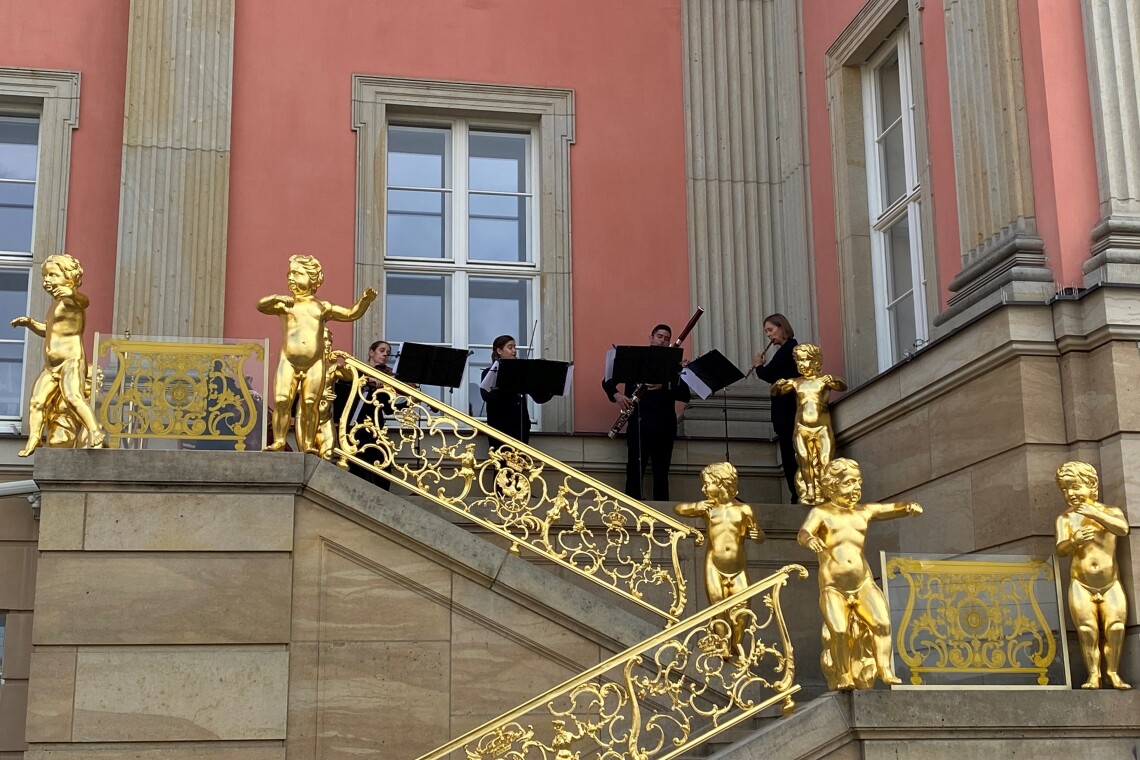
point(908, 207)
point(549, 114)
point(53, 96)
point(460, 268)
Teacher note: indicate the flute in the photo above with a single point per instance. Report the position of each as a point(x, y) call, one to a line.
point(754, 366)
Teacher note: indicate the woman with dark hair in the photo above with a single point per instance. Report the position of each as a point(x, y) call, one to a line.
point(365, 406)
point(781, 367)
point(506, 411)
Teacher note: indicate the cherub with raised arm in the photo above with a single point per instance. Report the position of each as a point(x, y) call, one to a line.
point(852, 605)
point(729, 522)
point(58, 398)
point(302, 372)
point(813, 438)
point(1087, 532)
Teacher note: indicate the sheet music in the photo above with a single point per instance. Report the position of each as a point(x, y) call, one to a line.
point(569, 380)
point(489, 379)
point(696, 385)
point(394, 359)
point(609, 364)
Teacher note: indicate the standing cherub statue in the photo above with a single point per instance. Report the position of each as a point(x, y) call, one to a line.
point(59, 399)
point(857, 626)
point(302, 370)
point(1087, 531)
point(729, 522)
point(813, 439)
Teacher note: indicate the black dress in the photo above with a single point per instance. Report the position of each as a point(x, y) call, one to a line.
point(650, 435)
point(507, 412)
point(783, 367)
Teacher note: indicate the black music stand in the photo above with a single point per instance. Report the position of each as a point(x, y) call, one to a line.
point(422, 364)
point(708, 374)
point(533, 377)
point(646, 364)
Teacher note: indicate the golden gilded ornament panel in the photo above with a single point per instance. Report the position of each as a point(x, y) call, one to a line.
point(517, 492)
point(210, 394)
point(661, 698)
point(976, 621)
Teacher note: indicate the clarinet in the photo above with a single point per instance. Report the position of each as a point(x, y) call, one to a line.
point(623, 418)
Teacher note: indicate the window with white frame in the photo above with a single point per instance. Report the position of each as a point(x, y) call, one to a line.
point(19, 156)
point(461, 239)
point(894, 194)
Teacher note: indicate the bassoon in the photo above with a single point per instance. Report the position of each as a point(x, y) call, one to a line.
point(635, 397)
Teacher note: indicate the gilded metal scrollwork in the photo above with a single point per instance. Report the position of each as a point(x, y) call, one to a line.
point(973, 617)
point(188, 391)
point(661, 698)
point(529, 498)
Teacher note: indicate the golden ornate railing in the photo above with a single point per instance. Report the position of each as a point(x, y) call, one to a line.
point(173, 390)
point(513, 490)
point(659, 699)
point(971, 616)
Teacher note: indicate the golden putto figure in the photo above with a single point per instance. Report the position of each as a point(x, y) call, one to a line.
point(1087, 532)
point(301, 371)
point(813, 438)
point(856, 624)
point(729, 522)
point(59, 398)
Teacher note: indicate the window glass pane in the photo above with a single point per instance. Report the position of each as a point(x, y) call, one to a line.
point(13, 297)
point(891, 153)
point(890, 93)
point(418, 157)
point(902, 325)
point(498, 306)
point(475, 365)
point(417, 224)
point(898, 260)
point(11, 378)
point(17, 193)
point(19, 147)
point(498, 228)
point(15, 228)
point(498, 162)
point(416, 308)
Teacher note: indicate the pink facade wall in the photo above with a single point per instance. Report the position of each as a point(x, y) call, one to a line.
point(293, 185)
point(294, 152)
point(88, 36)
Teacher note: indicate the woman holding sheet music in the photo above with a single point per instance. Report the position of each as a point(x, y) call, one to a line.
point(507, 412)
point(781, 366)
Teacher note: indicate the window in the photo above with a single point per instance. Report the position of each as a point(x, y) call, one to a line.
point(38, 110)
point(19, 154)
point(894, 201)
point(460, 263)
point(463, 218)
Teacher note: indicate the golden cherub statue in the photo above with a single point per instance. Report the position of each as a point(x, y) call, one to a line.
point(1087, 532)
point(857, 627)
point(812, 436)
point(302, 370)
point(58, 402)
point(729, 522)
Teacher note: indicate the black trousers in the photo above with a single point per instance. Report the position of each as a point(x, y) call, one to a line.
point(788, 457)
point(653, 446)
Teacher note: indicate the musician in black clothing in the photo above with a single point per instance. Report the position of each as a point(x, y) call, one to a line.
point(363, 407)
point(506, 411)
point(781, 367)
point(653, 427)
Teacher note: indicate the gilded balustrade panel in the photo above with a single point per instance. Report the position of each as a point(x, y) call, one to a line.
point(513, 490)
point(661, 698)
point(195, 394)
point(977, 621)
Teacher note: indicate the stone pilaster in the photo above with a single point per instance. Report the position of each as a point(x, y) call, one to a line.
point(171, 264)
point(1003, 257)
point(1113, 56)
point(748, 228)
